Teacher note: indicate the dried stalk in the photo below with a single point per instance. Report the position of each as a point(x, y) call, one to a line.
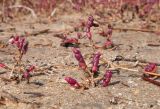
point(153, 45)
point(34, 94)
point(25, 7)
point(121, 58)
point(3, 10)
point(53, 12)
point(124, 68)
point(38, 32)
point(150, 73)
point(133, 29)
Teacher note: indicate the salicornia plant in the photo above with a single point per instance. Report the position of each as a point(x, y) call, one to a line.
point(19, 71)
point(90, 79)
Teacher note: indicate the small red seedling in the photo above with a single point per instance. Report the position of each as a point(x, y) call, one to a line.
point(106, 79)
point(20, 43)
point(108, 44)
point(26, 74)
point(2, 65)
point(151, 67)
point(72, 82)
point(31, 68)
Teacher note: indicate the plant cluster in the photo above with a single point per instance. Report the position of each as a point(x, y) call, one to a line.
point(92, 74)
point(18, 71)
point(87, 26)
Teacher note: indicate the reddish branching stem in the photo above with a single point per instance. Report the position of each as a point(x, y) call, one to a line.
point(90, 23)
point(107, 33)
point(21, 44)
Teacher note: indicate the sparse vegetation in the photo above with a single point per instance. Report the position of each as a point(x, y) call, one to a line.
point(79, 53)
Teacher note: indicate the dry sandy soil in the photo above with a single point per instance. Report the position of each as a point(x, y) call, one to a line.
point(126, 91)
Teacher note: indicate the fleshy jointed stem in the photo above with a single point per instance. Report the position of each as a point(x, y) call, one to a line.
point(80, 59)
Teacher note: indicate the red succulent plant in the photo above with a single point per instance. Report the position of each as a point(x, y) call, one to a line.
point(79, 57)
point(26, 74)
point(108, 44)
point(20, 42)
point(95, 62)
point(106, 79)
point(90, 23)
point(2, 65)
point(151, 67)
point(72, 82)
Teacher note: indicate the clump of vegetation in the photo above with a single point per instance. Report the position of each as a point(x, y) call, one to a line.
point(18, 71)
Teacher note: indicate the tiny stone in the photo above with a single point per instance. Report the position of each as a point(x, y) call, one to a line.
point(120, 94)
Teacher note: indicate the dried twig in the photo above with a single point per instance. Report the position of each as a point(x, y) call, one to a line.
point(37, 74)
point(34, 94)
point(43, 45)
point(121, 58)
point(53, 12)
point(153, 45)
point(150, 73)
point(38, 32)
point(124, 68)
point(133, 29)
point(25, 7)
point(3, 9)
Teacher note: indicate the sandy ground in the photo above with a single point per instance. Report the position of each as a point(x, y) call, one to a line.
point(131, 91)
